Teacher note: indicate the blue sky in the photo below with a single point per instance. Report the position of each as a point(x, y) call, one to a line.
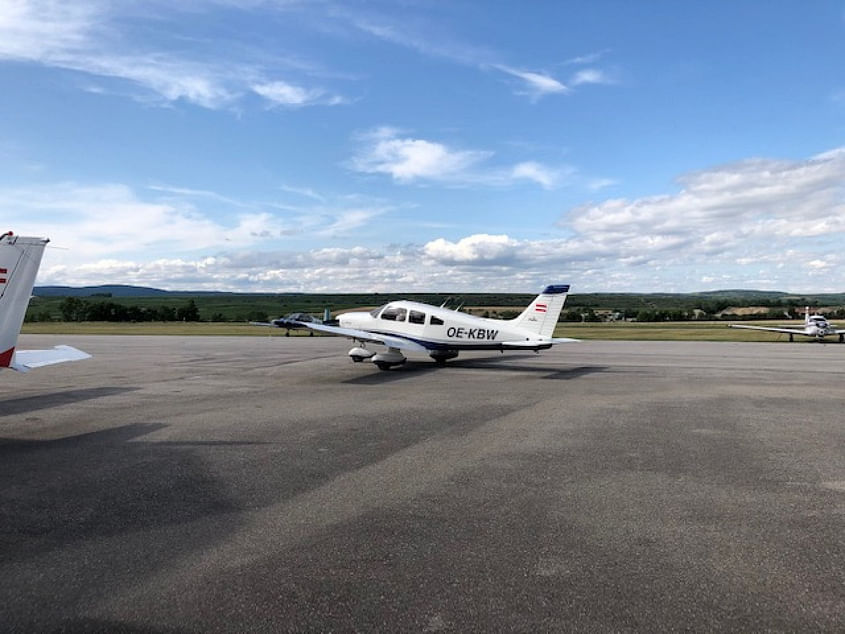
point(285, 145)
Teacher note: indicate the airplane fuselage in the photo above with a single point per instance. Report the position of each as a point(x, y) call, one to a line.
point(438, 328)
point(818, 326)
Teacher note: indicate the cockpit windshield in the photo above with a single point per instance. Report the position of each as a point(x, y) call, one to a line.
point(394, 313)
point(375, 311)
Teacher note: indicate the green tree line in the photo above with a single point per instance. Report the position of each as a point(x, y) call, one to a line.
point(76, 309)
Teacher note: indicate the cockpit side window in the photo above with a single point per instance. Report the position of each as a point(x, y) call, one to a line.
point(394, 314)
point(416, 317)
point(436, 321)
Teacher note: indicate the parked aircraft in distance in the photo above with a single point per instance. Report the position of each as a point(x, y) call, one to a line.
point(20, 258)
point(296, 321)
point(442, 332)
point(814, 326)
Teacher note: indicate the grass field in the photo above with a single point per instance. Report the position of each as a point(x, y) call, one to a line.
point(632, 331)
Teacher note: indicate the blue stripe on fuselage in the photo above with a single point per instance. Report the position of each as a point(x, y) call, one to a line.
point(434, 345)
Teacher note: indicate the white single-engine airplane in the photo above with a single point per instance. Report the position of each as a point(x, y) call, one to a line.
point(19, 261)
point(814, 326)
point(442, 332)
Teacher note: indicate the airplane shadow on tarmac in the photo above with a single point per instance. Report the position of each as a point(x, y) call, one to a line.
point(26, 404)
point(105, 490)
point(415, 368)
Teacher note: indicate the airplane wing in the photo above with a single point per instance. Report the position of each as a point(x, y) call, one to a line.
point(789, 331)
point(25, 360)
point(371, 337)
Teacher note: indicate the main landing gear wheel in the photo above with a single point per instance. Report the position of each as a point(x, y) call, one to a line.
point(441, 356)
point(386, 365)
point(359, 354)
point(386, 360)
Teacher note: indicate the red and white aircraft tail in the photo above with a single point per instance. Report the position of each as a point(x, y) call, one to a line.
point(20, 258)
point(541, 315)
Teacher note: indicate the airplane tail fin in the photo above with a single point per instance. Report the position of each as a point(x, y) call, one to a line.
point(20, 258)
point(542, 314)
point(806, 315)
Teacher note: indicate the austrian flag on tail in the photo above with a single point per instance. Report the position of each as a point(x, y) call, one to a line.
point(3, 275)
point(540, 308)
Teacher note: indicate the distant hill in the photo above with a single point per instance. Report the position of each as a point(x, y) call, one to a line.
point(114, 290)
point(127, 290)
point(616, 301)
point(742, 292)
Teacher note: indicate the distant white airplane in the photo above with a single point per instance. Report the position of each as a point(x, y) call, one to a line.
point(20, 258)
point(442, 332)
point(814, 326)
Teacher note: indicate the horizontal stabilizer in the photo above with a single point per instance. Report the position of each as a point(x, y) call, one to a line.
point(25, 360)
point(535, 345)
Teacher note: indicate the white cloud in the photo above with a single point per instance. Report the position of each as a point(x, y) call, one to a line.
point(767, 223)
point(432, 41)
point(479, 248)
point(89, 37)
point(537, 173)
point(408, 160)
point(112, 219)
point(536, 85)
point(307, 192)
point(589, 58)
point(590, 76)
point(284, 94)
point(785, 215)
point(349, 219)
point(38, 30)
point(600, 183)
point(760, 199)
point(104, 219)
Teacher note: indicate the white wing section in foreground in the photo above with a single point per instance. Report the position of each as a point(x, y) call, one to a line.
point(25, 360)
point(390, 341)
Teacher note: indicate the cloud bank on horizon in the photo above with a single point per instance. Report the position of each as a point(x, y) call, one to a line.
point(251, 145)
